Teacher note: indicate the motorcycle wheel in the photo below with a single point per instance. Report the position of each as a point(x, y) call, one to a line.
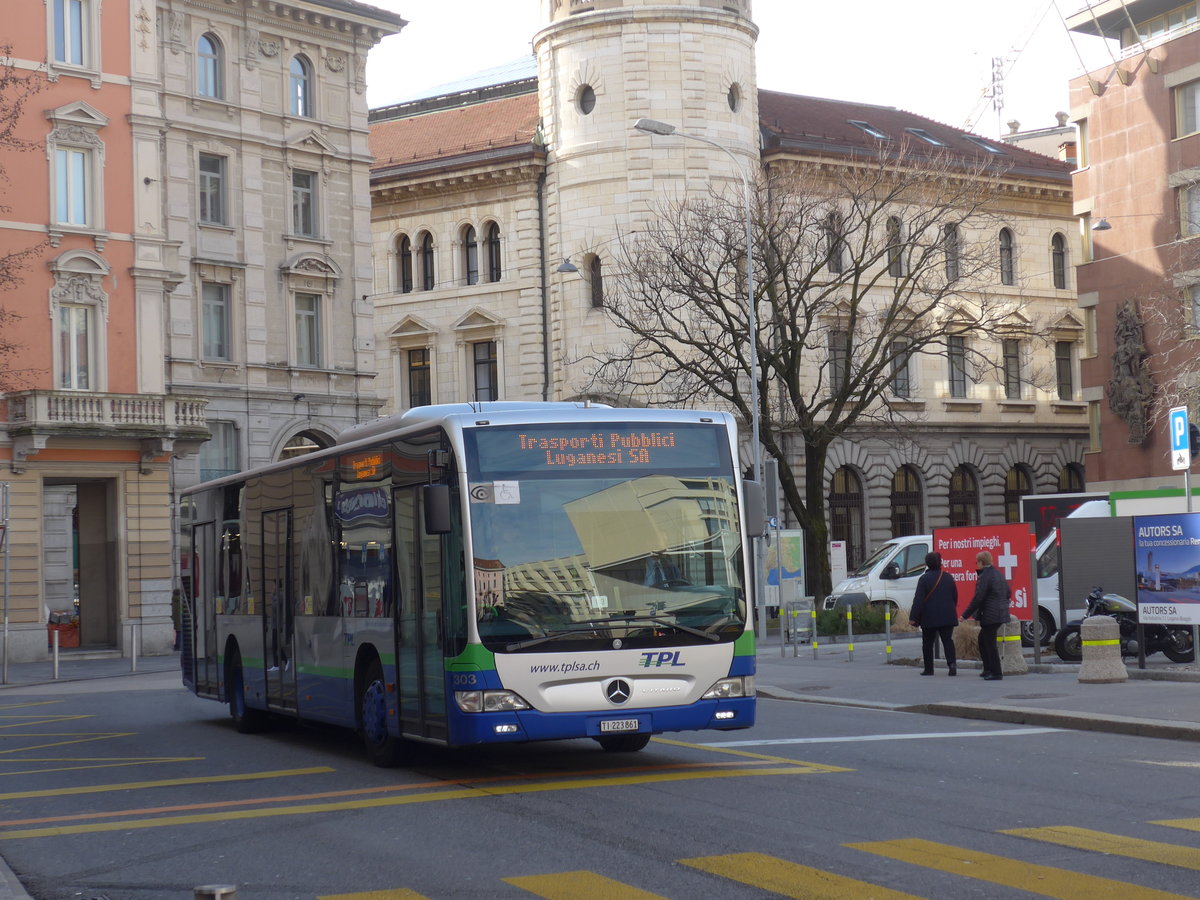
point(1179, 647)
point(1068, 644)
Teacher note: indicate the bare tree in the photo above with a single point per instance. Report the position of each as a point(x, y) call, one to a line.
point(860, 267)
point(16, 87)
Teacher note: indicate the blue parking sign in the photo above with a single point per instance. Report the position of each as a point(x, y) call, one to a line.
point(1177, 422)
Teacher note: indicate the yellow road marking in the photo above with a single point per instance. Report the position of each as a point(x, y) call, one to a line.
point(789, 879)
point(38, 720)
point(579, 886)
point(746, 753)
point(399, 894)
point(27, 704)
point(1034, 879)
point(165, 782)
point(1185, 824)
point(76, 739)
point(318, 795)
point(117, 762)
point(380, 802)
point(1113, 844)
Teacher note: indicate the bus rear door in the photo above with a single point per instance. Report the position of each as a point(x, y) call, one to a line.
point(419, 614)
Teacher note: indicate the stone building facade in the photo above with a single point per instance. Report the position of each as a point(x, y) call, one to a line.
point(196, 211)
point(497, 211)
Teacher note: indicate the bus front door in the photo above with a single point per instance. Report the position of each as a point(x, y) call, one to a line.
point(278, 610)
point(419, 597)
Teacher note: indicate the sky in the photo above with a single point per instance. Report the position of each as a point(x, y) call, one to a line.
point(931, 57)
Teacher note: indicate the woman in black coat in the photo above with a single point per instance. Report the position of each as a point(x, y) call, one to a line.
point(935, 611)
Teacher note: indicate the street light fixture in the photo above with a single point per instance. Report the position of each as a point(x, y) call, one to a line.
point(653, 126)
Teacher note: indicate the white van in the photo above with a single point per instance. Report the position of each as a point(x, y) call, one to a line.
point(890, 575)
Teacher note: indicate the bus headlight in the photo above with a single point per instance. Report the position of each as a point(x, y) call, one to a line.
point(488, 701)
point(731, 687)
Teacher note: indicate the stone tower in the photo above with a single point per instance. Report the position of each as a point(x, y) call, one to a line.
point(603, 64)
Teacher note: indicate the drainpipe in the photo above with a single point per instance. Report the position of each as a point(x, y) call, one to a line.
point(542, 274)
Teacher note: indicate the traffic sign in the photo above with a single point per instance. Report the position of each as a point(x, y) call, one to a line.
point(1177, 423)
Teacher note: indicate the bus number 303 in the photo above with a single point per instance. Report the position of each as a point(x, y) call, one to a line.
point(468, 679)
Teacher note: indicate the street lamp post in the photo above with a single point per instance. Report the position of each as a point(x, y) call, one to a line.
point(653, 126)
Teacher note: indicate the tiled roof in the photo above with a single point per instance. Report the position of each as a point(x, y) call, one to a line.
point(814, 124)
point(493, 125)
point(789, 121)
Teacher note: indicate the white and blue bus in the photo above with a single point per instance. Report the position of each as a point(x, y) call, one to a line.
point(481, 573)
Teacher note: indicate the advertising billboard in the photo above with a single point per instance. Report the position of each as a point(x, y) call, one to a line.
point(1167, 559)
point(1012, 549)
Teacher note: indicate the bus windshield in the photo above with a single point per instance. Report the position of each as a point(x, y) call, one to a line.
point(626, 538)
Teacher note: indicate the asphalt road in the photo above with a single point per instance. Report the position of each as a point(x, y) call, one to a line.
point(132, 789)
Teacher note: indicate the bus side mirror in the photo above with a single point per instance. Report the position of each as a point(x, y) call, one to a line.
point(756, 508)
point(435, 498)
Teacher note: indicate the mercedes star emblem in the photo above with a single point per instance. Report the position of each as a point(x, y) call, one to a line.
point(618, 690)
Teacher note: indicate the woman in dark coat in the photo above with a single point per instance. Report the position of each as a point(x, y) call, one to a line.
point(990, 607)
point(935, 611)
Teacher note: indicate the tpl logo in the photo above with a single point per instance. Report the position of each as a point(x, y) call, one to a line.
point(657, 660)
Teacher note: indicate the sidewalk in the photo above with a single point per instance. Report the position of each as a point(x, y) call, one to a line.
point(1159, 701)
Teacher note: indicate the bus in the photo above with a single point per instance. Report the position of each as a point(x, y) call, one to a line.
point(481, 573)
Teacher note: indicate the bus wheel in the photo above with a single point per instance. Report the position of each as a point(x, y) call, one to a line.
point(383, 749)
point(623, 743)
point(245, 719)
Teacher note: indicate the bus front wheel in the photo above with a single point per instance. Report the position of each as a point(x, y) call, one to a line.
point(383, 749)
point(245, 719)
point(623, 743)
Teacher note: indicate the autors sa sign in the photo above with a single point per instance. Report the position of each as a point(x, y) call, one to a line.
point(1011, 547)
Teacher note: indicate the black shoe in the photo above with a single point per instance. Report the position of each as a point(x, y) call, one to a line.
point(993, 677)
point(927, 672)
point(953, 671)
point(984, 674)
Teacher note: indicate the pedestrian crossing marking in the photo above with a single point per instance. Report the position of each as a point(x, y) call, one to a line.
point(579, 886)
point(789, 879)
point(1114, 845)
point(1044, 881)
point(400, 894)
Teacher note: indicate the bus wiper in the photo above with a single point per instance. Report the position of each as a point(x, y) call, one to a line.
point(626, 619)
point(654, 620)
point(553, 636)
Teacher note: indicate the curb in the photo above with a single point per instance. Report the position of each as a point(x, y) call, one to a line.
point(1156, 728)
point(1013, 715)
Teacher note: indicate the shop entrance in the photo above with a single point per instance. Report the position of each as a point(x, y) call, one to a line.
point(79, 562)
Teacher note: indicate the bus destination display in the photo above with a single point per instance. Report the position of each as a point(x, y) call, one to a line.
point(566, 447)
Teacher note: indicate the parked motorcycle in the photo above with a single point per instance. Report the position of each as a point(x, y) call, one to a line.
point(1175, 641)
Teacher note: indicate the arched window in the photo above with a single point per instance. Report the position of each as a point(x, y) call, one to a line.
point(404, 260)
point(426, 261)
point(906, 502)
point(952, 245)
point(846, 514)
point(1008, 272)
point(300, 83)
point(493, 252)
point(470, 247)
point(209, 67)
point(964, 498)
point(1070, 479)
point(596, 282)
point(1058, 260)
point(895, 253)
point(1017, 484)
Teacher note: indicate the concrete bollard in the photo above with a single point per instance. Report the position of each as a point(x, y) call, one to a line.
point(215, 892)
point(1008, 642)
point(1100, 637)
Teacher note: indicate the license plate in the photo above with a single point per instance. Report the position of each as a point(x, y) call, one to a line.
point(619, 725)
